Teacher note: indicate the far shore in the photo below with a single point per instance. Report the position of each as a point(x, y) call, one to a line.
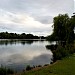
point(26, 39)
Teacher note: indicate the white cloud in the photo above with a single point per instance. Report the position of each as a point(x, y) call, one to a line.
point(22, 22)
point(32, 16)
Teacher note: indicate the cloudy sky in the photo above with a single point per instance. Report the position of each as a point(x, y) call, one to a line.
point(32, 16)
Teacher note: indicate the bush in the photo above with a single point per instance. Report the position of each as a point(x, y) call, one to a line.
point(60, 52)
point(46, 65)
point(28, 68)
point(39, 65)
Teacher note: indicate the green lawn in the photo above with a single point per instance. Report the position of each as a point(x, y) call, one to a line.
point(65, 66)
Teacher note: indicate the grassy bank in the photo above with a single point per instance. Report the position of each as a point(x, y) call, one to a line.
point(66, 66)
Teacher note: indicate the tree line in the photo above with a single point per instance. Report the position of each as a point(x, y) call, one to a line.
point(6, 35)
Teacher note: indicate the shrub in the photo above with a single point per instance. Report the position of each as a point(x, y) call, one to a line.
point(28, 68)
point(46, 64)
point(60, 52)
point(39, 65)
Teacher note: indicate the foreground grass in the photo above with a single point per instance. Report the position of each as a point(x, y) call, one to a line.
point(65, 66)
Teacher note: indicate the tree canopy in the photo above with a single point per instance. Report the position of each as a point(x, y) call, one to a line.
point(63, 28)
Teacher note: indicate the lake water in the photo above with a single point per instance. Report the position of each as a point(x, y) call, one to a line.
point(17, 54)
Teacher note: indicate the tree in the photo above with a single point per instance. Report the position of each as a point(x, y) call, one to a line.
point(60, 23)
point(63, 33)
point(70, 31)
point(63, 29)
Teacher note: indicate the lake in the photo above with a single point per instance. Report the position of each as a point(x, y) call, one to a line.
point(17, 54)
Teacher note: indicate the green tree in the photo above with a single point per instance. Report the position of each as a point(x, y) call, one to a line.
point(63, 29)
point(60, 23)
point(63, 33)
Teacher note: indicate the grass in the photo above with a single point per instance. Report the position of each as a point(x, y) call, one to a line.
point(66, 66)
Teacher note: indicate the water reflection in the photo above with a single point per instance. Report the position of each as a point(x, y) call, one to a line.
point(18, 54)
point(23, 42)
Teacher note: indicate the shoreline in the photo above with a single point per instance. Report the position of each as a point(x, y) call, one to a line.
point(60, 67)
point(36, 68)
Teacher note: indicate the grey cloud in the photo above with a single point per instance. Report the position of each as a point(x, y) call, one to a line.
point(42, 8)
point(44, 19)
point(39, 6)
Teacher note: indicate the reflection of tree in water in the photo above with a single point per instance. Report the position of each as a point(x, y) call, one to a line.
point(29, 42)
point(23, 42)
point(16, 41)
point(7, 42)
point(51, 47)
point(26, 42)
